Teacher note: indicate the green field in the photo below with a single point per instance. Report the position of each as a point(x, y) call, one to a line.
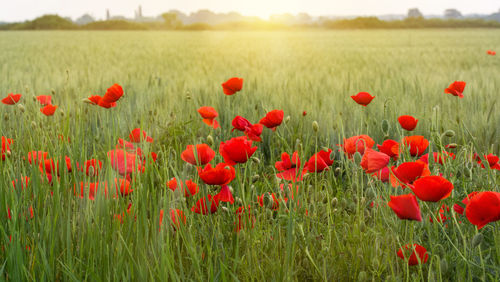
point(167, 76)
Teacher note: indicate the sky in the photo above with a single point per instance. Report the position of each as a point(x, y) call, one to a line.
point(20, 10)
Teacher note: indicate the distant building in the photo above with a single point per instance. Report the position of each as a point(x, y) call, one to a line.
point(85, 19)
point(414, 13)
point(452, 14)
point(108, 16)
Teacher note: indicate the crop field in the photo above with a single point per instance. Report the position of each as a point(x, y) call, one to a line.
point(87, 192)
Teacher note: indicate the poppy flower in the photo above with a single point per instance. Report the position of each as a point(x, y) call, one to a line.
point(456, 89)
point(124, 162)
point(224, 195)
point(272, 119)
point(373, 161)
point(11, 99)
point(417, 144)
point(289, 167)
point(91, 167)
point(125, 145)
point(221, 174)
point(413, 254)
point(44, 100)
point(382, 175)
point(48, 110)
point(201, 205)
point(319, 161)
point(122, 187)
point(6, 142)
point(492, 161)
point(390, 148)
point(406, 173)
point(490, 52)
point(240, 123)
point(253, 132)
point(439, 158)
point(113, 94)
point(35, 157)
point(357, 144)
point(135, 136)
point(406, 207)
point(176, 217)
point(432, 188)
point(408, 122)
point(97, 100)
point(23, 182)
point(204, 154)
point(237, 150)
point(209, 114)
point(459, 208)
point(363, 98)
point(192, 188)
point(93, 188)
point(441, 216)
point(483, 208)
point(241, 223)
point(232, 86)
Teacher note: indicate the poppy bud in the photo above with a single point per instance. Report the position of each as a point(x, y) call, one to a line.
point(231, 189)
point(188, 96)
point(363, 200)
point(256, 160)
point(452, 145)
point(335, 210)
point(62, 112)
point(467, 172)
point(443, 265)
point(21, 107)
point(33, 124)
point(268, 201)
point(90, 170)
point(334, 202)
point(255, 178)
point(315, 126)
point(27, 89)
point(6, 117)
point(337, 171)
point(370, 193)
point(210, 140)
point(224, 209)
point(362, 227)
point(362, 276)
point(53, 92)
point(86, 100)
point(477, 240)
point(357, 158)
point(238, 201)
point(375, 263)
point(449, 133)
point(325, 200)
point(8, 154)
point(385, 127)
point(34, 98)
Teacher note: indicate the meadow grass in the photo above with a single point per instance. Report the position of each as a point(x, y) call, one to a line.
point(167, 76)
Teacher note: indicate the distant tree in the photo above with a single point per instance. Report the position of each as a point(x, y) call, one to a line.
point(415, 13)
point(452, 14)
point(47, 22)
point(171, 20)
point(85, 19)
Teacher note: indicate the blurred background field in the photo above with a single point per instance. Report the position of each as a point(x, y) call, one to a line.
point(167, 76)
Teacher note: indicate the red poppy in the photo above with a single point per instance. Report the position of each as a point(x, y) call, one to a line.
point(483, 208)
point(113, 94)
point(373, 161)
point(91, 167)
point(204, 154)
point(272, 119)
point(44, 100)
point(441, 217)
point(492, 161)
point(221, 174)
point(35, 157)
point(390, 148)
point(24, 181)
point(413, 254)
point(439, 158)
point(122, 187)
point(6, 142)
point(304, 113)
point(357, 144)
point(237, 150)
point(490, 52)
point(240, 123)
point(176, 217)
point(383, 174)
point(319, 161)
point(125, 145)
point(192, 188)
point(11, 99)
point(242, 223)
point(97, 100)
point(406, 207)
point(289, 168)
point(276, 202)
point(224, 195)
point(209, 114)
point(201, 205)
point(456, 89)
point(92, 187)
point(432, 188)
point(417, 144)
point(124, 162)
point(48, 110)
point(408, 122)
point(232, 86)
point(459, 208)
point(406, 173)
point(253, 132)
point(363, 98)
point(135, 136)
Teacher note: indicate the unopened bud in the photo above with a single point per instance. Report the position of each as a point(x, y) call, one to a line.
point(6, 117)
point(334, 202)
point(238, 201)
point(449, 133)
point(224, 209)
point(477, 240)
point(287, 119)
point(256, 160)
point(444, 265)
point(8, 153)
point(357, 158)
point(255, 178)
point(33, 124)
point(61, 112)
point(337, 171)
point(210, 140)
point(21, 107)
point(53, 92)
point(385, 126)
point(315, 126)
point(87, 100)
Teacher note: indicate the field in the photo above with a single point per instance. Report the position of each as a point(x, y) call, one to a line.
point(341, 228)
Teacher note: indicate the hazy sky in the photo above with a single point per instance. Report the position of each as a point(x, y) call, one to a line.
point(17, 10)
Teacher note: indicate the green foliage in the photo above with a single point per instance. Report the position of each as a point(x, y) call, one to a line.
point(114, 25)
point(47, 22)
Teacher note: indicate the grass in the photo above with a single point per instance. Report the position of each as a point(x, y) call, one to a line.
point(167, 76)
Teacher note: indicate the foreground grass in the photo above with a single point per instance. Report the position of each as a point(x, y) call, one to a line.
point(167, 76)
